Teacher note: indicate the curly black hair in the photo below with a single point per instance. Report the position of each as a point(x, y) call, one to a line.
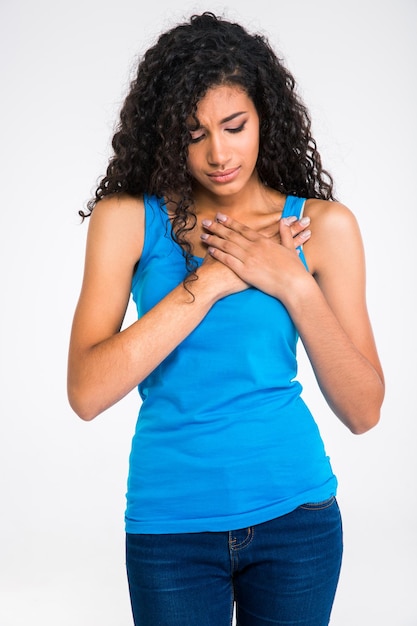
point(151, 141)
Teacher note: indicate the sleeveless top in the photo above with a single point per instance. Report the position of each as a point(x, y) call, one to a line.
point(223, 439)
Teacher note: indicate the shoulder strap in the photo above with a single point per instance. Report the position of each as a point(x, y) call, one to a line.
point(295, 206)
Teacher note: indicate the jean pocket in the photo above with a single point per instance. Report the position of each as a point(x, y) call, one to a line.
point(317, 506)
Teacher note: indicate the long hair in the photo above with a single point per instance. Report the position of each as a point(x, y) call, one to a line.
point(150, 145)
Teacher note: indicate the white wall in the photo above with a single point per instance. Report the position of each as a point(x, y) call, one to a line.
point(65, 69)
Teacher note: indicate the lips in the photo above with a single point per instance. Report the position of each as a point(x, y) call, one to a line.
point(224, 176)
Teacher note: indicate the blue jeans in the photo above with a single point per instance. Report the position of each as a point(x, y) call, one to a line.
point(284, 571)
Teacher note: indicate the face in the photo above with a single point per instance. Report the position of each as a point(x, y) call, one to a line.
point(224, 147)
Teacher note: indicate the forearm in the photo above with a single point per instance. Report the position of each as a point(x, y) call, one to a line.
point(351, 385)
point(100, 375)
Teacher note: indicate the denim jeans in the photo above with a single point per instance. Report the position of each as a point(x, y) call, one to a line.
point(284, 571)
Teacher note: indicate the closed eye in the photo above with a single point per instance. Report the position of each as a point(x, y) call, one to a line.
point(238, 129)
point(197, 138)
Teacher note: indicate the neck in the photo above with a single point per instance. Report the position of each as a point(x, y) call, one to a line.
point(254, 199)
point(247, 199)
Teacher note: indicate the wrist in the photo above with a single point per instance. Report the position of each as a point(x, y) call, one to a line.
point(206, 288)
point(199, 290)
point(300, 294)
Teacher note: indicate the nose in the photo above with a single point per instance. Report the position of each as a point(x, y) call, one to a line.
point(218, 150)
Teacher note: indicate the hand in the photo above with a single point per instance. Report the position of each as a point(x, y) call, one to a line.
point(225, 280)
point(268, 263)
point(298, 228)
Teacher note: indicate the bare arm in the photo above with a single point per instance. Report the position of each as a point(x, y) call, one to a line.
point(352, 380)
point(104, 363)
point(329, 309)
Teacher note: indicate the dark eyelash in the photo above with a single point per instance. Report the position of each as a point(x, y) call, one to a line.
point(229, 130)
point(196, 139)
point(238, 129)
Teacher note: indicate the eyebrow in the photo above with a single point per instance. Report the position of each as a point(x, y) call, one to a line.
point(232, 117)
point(229, 118)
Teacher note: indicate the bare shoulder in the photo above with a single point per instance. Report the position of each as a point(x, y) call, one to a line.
point(335, 234)
point(329, 214)
point(117, 223)
point(123, 203)
point(114, 246)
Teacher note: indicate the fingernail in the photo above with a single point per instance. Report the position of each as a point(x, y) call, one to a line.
point(220, 217)
point(290, 220)
point(204, 236)
point(305, 234)
point(206, 222)
point(305, 221)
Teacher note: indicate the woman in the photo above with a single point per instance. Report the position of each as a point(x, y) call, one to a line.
point(204, 216)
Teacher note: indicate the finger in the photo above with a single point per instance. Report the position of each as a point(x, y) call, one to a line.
point(302, 237)
point(287, 239)
point(226, 259)
point(224, 226)
point(226, 246)
point(297, 226)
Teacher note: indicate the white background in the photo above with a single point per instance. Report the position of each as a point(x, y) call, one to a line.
point(65, 71)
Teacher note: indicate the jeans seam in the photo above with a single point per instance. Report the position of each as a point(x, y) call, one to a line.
point(247, 541)
point(319, 506)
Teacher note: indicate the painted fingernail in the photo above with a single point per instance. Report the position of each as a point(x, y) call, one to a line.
point(204, 236)
point(220, 217)
point(305, 234)
point(290, 220)
point(305, 221)
point(206, 222)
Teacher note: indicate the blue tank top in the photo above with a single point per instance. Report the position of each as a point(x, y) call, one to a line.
point(223, 438)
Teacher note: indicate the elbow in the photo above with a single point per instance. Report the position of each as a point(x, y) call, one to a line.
point(364, 425)
point(364, 413)
point(85, 397)
point(86, 416)
point(366, 417)
point(82, 411)
point(81, 404)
